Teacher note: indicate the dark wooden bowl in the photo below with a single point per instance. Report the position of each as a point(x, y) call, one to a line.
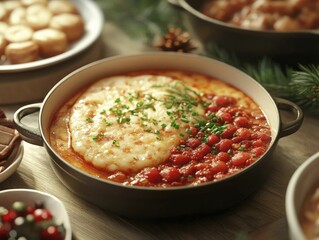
point(287, 47)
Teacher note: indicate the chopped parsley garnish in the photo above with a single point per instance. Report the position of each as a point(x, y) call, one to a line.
point(107, 123)
point(89, 120)
point(116, 143)
point(241, 148)
point(180, 101)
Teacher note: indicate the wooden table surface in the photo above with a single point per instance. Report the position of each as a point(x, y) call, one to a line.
point(260, 216)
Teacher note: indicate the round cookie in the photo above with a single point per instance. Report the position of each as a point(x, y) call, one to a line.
point(22, 52)
point(30, 2)
point(18, 33)
point(17, 16)
point(71, 24)
point(61, 6)
point(38, 16)
point(51, 42)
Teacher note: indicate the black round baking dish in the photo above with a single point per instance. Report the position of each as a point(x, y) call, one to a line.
point(151, 202)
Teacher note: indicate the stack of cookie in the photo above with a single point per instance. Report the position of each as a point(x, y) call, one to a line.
point(35, 29)
point(9, 139)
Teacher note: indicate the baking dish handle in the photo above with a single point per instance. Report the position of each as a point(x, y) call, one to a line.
point(33, 135)
point(28, 133)
point(292, 126)
point(175, 2)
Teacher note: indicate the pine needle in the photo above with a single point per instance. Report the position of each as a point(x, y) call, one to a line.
point(273, 76)
point(305, 86)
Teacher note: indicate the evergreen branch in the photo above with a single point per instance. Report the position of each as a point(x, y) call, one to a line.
point(274, 77)
point(305, 86)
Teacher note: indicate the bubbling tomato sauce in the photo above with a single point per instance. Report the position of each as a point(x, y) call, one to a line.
point(231, 138)
point(230, 134)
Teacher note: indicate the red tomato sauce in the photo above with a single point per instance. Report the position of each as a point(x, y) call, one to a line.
point(232, 134)
point(230, 139)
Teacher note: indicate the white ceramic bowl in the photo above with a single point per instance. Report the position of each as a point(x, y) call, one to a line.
point(301, 182)
point(16, 158)
point(29, 196)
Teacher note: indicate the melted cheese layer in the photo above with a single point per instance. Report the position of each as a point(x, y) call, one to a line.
point(128, 123)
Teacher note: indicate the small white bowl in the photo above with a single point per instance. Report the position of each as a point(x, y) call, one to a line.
point(29, 196)
point(16, 158)
point(302, 181)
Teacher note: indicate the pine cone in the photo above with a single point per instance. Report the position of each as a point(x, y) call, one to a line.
point(176, 41)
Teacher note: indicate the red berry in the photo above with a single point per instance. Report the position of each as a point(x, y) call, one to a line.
point(175, 150)
point(212, 139)
point(207, 172)
point(241, 122)
point(226, 117)
point(180, 159)
point(201, 151)
point(224, 145)
point(222, 156)
point(243, 133)
point(240, 158)
point(257, 143)
point(42, 214)
point(5, 228)
point(51, 233)
point(193, 142)
point(170, 174)
point(193, 131)
point(223, 101)
point(30, 210)
point(10, 216)
point(229, 131)
point(219, 166)
point(258, 151)
point(153, 175)
point(212, 108)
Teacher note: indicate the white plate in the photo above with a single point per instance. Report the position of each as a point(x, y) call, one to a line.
point(29, 196)
point(93, 19)
point(16, 157)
